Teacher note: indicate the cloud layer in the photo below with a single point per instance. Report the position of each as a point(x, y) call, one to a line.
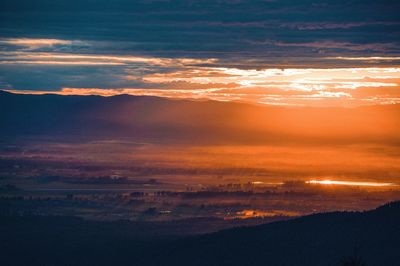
point(285, 52)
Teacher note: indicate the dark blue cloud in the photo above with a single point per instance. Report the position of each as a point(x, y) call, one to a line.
point(244, 34)
point(202, 26)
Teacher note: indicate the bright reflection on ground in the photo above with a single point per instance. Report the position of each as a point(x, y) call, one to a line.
point(250, 213)
point(350, 183)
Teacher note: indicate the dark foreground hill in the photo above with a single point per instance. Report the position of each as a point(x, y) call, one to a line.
point(321, 239)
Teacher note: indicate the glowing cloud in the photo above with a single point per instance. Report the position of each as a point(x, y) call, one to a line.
point(34, 43)
point(32, 58)
point(209, 78)
point(368, 58)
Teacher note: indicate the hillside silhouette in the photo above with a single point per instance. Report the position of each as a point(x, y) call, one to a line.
point(320, 239)
point(161, 119)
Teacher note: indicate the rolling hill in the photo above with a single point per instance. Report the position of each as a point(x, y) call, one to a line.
point(320, 239)
point(161, 119)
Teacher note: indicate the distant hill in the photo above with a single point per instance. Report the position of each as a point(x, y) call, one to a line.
point(320, 239)
point(161, 119)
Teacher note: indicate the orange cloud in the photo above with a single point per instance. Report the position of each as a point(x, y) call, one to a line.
point(204, 79)
point(34, 43)
point(32, 58)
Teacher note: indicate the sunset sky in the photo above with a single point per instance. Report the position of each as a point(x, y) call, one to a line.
point(200, 132)
point(273, 52)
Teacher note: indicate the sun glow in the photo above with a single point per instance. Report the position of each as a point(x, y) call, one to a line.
point(350, 183)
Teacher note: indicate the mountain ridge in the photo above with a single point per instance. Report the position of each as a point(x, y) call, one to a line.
point(148, 117)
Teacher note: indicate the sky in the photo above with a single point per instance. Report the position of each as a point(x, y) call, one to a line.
point(272, 52)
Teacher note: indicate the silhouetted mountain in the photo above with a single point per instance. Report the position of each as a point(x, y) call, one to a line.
point(320, 239)
point(153, 118)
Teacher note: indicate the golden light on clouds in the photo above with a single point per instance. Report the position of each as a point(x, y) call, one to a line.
point(367, 58)
point(310, 79)
point(61, 63)
point(211, 78)
point(290, 87)
point(34, 43)
point(83, 59)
